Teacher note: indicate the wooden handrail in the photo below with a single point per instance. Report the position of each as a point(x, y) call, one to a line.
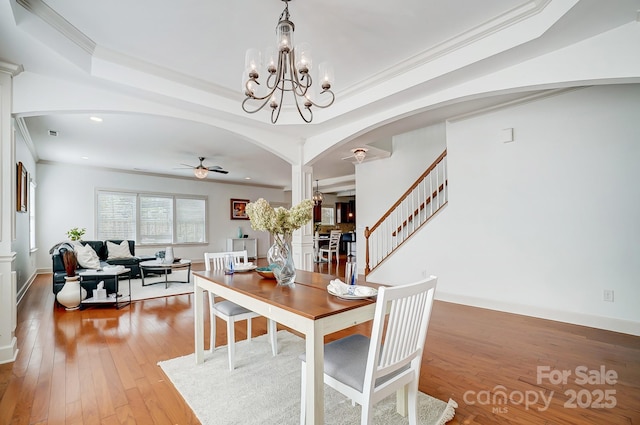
point(399, 234)
point(408, 192)
point(420, 208)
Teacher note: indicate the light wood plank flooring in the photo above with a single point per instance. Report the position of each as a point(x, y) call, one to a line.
point(99, 366)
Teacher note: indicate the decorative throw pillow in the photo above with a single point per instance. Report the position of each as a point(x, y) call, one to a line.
point(118, 251)
point(87, 257)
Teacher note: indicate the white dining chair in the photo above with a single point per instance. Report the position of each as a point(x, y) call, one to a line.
point(332, 248)
point(231, 312)
point(369, 369)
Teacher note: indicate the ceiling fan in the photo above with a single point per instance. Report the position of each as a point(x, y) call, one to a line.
point(200, 171)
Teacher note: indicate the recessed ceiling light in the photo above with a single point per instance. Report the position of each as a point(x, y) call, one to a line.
point(247, 178)
point(96, 119)
point(84, 157)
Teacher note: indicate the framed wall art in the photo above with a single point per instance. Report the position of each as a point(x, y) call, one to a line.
point(22, 188)
point(239, 209)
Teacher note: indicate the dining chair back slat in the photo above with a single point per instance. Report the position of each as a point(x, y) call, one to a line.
point(392, 355)
point(231, 312)
point(332, 248)
point(216, 260)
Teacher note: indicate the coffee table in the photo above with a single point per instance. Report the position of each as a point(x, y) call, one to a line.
point(156, 266)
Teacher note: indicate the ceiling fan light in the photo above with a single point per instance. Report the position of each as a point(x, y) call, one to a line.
point(200, 172)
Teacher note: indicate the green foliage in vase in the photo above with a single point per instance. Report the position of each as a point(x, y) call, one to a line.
point(75, 234)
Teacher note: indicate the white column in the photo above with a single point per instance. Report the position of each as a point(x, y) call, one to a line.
point(8, 312)
point(302, 188)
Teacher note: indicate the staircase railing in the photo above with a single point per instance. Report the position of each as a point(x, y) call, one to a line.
point(427, 195)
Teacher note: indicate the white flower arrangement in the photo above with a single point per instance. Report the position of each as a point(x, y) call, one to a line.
point(279, 220)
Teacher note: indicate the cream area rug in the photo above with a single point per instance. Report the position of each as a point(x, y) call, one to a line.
point(155, 286)
point(264, 389)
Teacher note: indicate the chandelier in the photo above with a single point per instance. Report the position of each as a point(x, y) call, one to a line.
point(318, 197)
point(289, 69)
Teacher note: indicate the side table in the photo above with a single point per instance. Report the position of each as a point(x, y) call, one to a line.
point(114, 298)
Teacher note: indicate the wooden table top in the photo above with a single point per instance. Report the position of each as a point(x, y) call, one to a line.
point(308, 297)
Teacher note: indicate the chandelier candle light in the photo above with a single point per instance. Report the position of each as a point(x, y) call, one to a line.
point(280, 223)
point(289, 69)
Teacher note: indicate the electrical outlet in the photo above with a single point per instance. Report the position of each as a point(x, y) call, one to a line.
point(608, 295)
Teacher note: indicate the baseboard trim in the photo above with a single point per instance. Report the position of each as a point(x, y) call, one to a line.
point(9, 353)
point(592, 321)
point(23, 291)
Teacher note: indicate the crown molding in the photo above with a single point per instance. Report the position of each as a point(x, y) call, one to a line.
point(163, 175)
point(24, 131)
point(64, 27)
point(542, 94)
point(10, 68)
point(170, 76)
point(471, 36)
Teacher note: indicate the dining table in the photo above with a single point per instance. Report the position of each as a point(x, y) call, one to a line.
point(306, 307)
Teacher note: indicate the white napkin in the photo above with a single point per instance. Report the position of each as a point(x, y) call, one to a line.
point(243, 265)
point(365, 291)
point(338, 287)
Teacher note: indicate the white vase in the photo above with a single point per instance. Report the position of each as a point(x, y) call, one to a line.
point(71, 294)
point(168, 255)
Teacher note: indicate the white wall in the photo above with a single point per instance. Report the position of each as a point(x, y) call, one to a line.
point(25, 263)
point(66, 199)
point(540, 226)
point(380, 183)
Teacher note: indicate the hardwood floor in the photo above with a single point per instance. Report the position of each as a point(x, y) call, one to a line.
point(99, 366)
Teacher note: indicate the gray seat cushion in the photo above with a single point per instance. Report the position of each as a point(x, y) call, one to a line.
point(346, 360)
point(229, 308)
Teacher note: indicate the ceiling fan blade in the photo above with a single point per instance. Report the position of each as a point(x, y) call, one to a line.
point(219, 171)
point(189, 166)
point(215, 167)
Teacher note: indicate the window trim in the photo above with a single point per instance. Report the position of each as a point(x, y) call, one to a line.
point(173, 196)
point(33, 224)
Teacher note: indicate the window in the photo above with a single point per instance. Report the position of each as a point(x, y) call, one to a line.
point(328, 216)
point(190, 220)
point(116, 215)
point(32, 215)
point(151, 219)
point(156, 220)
